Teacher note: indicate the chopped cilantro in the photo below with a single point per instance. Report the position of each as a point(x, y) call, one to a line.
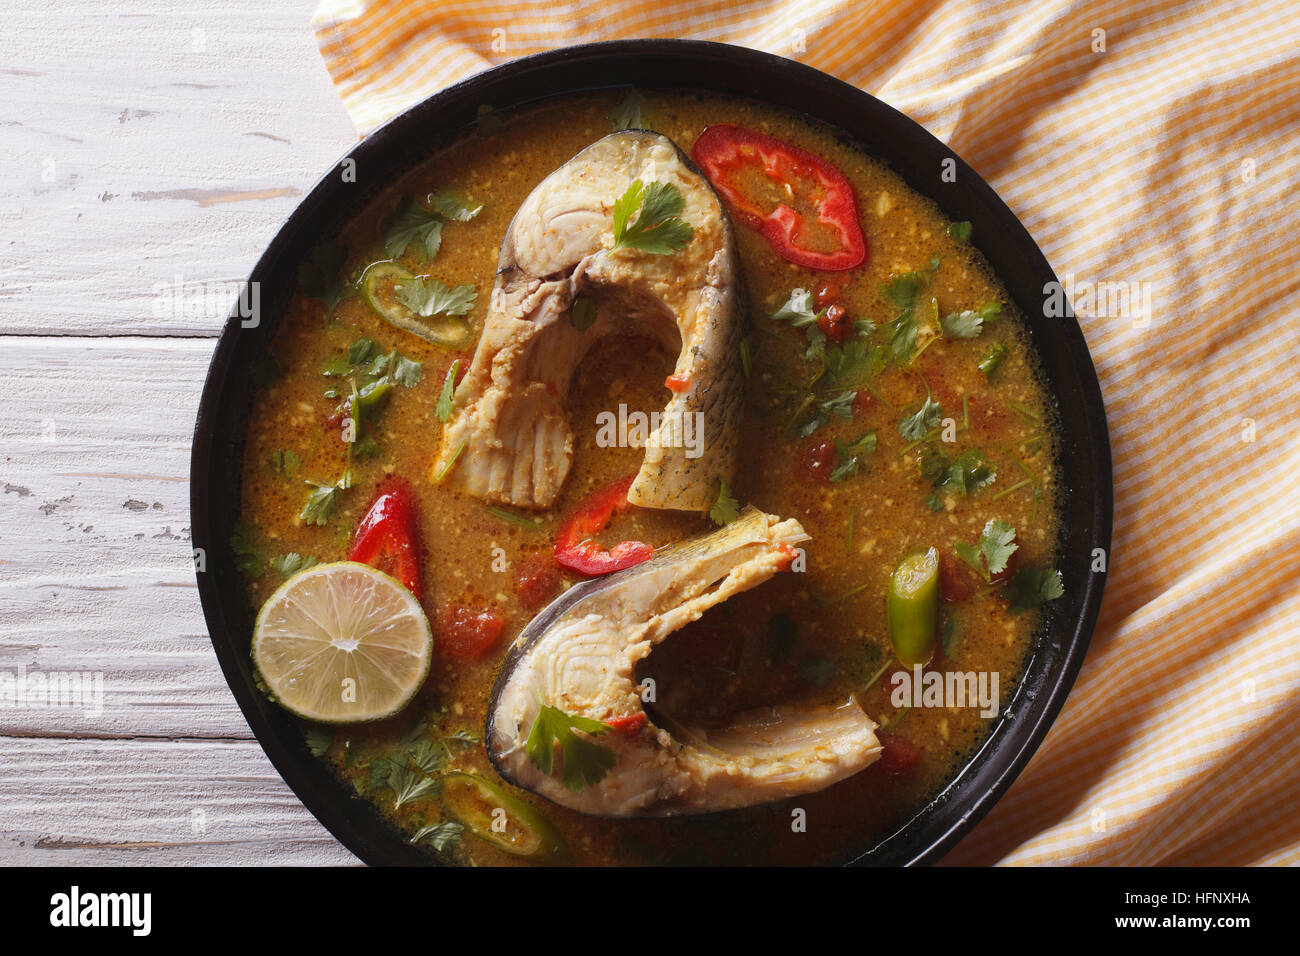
point(441, 836)
point(1032, 587)
point(248, 556)
point(583, 313)
point(429, 296)
point(901, 291)
point(291, 563)
point(960, 231)
point(404, 371)
point(318, 740)
point(968, 473)
point(962, 325)
point(629, 112)
point(452, 207)
point(798, 309)
point(413, 223)
point(996, 544)
point(851, 455)
point(446, 400)
point(725, 509)
point(992, 360)
point(284, 462)
point(408, 783)
point(915, 426)
point(321, 275)
point(320, 503)
point(584, 762)
point(657, 228)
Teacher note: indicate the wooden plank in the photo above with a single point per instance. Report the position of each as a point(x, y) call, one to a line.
point(96, 572)
point(172, 803)
point(149, 145)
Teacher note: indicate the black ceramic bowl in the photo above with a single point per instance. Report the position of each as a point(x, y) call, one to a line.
point(408, 140)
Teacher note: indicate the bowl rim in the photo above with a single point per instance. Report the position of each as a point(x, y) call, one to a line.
point(1063, 640)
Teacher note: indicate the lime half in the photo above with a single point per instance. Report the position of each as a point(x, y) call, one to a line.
point(342, 643)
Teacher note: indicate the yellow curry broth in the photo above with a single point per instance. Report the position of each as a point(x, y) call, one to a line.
point(734, 657)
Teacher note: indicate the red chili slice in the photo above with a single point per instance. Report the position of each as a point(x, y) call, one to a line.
point(573, 545)
point(388, 537)
point(722, 151)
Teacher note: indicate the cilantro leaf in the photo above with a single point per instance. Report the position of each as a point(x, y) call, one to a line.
point(452, 207)
point(725, 509)
point(248, 553)
point(379, 768)
point(426, 755)
point(960, 231)
point(293, 562)
point(320, 503)
point(583, 313)
point(962, 325)
point(321, 275)
point(629, 112)
point(997, 542)
point(318, 740)
point(585, 762)
point(657, 228)
point(408, 783)
point(902, 341)
point(404, 371)
point(915, 426)
point(840, 405)
point(361, 351)
point(446, 400)
point(284, 461)
point(992, 360)
point(429, 296)
point(968, 473)
point(411, 224)
point(441, 836)
point(798, 309)
point(1032, 587)
point(851, 456)
point(901, 291)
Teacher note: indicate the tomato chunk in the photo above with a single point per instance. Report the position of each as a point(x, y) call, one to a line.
point(537, 581)
point(827, 293)
point(628, 726)
point(387, 538)
point(897, 754)
point(834, 323)
point(726, 152)
point(574, 547)
point(956, 583)
point(819, 460)
point(467, 632)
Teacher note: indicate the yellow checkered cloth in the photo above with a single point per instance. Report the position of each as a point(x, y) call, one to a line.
point(1154, 143)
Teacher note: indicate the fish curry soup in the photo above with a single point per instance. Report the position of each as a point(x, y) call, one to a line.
point(893, 409)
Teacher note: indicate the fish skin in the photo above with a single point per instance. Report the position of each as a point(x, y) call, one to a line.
point(580, 653)
point(509, 439)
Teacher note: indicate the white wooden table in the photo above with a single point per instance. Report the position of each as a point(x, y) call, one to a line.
point(161, 143)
